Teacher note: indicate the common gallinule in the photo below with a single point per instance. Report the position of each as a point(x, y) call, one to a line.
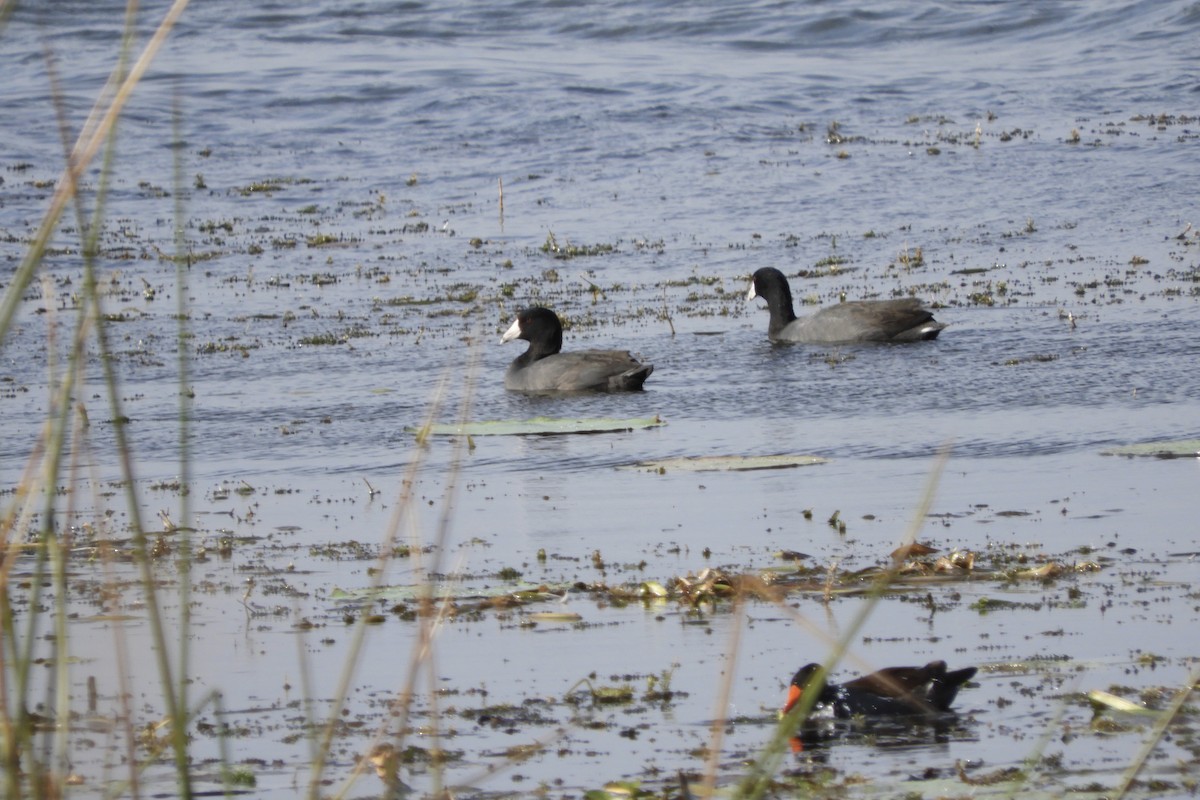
point(893, 691)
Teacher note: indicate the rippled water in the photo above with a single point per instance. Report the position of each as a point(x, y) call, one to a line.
point(1042, 156)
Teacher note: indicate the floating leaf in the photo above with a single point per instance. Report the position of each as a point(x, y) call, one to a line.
point(912, 550)
point(1184, 448)
point(618, 789)
point(957, 560)
point(1051, 569)
point(555, 616)
point(612, 694)
point(1002, 783)
point(1101, 699)
point(727, 463)
point(538, 426)
point(653, 589)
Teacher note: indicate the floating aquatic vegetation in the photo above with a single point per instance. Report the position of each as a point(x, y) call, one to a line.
point(602, 695)
point(567, 250)
point(1183, 448)
point(555, 616)
point(911, 550)
point(725, 463)
point(1102, 701)
point(537, 426)
point(451, 591)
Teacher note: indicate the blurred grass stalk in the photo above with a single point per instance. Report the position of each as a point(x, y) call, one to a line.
point(30, 769)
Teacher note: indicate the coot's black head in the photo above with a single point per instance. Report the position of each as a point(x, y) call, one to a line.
point(538, 326)
point(771, 284)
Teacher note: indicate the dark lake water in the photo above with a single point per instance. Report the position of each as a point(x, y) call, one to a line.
point(370, 191)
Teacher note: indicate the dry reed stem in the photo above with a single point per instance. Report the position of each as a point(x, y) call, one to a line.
point(48, 454)
point(430, 616)
point(717, 734)
point(403, 507)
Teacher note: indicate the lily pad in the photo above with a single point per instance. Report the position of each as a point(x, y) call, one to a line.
point(539, 426)
point(1184, 448)
point(726, 463)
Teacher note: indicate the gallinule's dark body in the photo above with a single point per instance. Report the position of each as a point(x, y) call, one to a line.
point(894, 691)
point(903, 320)
point(542, 368)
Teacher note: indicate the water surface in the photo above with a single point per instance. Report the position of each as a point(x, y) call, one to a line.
point(1030, 168)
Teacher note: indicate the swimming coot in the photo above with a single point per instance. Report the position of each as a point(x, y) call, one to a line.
point(905, 320)
point(542, 368)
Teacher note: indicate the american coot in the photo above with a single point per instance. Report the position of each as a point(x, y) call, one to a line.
point(542, 368)
point(905, 320)
point(893, 691)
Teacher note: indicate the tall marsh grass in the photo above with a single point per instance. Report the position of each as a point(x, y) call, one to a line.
point(39, 714)
point(37, 533)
